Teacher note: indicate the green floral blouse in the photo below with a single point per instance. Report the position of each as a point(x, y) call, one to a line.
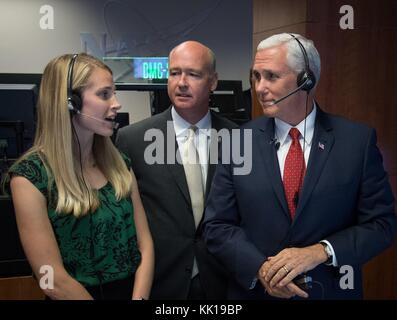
point(98, 248)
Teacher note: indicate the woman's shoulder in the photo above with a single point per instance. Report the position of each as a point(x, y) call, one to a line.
point(31, 167)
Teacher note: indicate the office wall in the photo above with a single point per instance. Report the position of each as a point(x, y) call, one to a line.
point(358, 79)
point(128, 27)
point(359, 73)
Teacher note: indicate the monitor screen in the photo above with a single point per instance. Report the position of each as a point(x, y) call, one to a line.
point(227, 100)
point(138, 70)
point(13, 261)
point(17, 118)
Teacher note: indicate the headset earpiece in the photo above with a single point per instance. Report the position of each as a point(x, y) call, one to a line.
point(70, 107)
point(306, 78)
point(74, 103)
point(73, 99)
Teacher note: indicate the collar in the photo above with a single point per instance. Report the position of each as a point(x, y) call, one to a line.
point(282, 128)
point(181, 125)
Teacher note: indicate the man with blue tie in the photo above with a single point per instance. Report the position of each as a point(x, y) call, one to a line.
point(317, 197)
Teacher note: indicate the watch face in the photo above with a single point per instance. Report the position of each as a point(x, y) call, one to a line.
point(328, 251)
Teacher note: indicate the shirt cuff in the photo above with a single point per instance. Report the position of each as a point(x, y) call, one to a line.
point(334, 260)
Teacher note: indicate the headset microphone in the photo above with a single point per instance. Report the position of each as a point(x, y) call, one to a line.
point(287, 95)
point(115, 124)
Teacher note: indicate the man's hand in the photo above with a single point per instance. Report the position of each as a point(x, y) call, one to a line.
point(286, 292)
point(281, 269)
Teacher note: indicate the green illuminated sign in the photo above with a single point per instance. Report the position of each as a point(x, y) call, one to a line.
point(154, 70)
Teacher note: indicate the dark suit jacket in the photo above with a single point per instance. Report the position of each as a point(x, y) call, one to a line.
point(346, 199)
point(165, 196)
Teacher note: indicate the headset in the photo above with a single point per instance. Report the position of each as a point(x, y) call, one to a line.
point(74, 98)
point(306, 79)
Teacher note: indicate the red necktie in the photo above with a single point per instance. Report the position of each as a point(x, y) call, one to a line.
point(294, 171)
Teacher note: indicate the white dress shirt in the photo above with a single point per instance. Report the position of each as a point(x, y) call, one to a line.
point(202, 138)
point(282, 136)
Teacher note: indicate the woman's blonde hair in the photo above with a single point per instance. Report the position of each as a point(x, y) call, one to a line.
point(57, 146)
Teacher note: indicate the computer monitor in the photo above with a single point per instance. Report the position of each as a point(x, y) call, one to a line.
point(227, 97)
point(159, 101)
point(17, 117)
point(227, 100)
point(123, 119)
point(13, 261)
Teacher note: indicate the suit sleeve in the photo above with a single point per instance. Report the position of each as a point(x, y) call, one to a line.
point(224, 238)
point(376, 220)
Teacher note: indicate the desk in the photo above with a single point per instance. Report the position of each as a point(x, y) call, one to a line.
point(20, 288)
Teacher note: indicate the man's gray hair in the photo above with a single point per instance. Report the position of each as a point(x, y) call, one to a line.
point(295, 59)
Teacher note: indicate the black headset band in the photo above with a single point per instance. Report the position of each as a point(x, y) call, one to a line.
point(305, 57)
point(70, 76)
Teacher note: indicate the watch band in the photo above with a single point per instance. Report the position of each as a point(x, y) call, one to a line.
point(328, 252)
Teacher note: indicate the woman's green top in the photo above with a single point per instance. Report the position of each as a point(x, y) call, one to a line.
point(99, 247)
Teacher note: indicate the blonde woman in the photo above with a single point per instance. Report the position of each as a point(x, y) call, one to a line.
point(76, 200)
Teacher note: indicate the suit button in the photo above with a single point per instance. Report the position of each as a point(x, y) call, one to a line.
point(188, 270)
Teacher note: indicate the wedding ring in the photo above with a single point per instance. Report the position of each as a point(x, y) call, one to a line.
point(285, 269)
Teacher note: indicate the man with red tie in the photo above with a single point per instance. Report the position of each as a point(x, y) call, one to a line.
point(317, 197)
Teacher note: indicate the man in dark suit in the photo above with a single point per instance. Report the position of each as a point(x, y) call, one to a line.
point(317, 197)
point(172, 194)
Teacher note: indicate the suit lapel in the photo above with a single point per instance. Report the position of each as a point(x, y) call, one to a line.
point(268, 152)
point(177, 171)
point(322, 143)
point(215, 124)
point(210, 175)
